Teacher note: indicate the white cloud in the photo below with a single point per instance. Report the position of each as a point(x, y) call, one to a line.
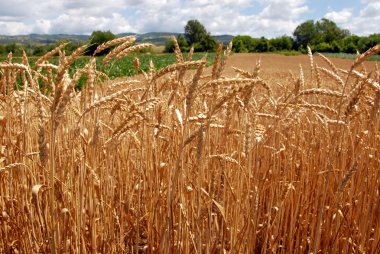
point(340, 17)
point(364, 23)
point(253, 17)
point(219, 16)
point(14, 28)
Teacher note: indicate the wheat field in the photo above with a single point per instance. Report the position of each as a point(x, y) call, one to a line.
point(185, 160)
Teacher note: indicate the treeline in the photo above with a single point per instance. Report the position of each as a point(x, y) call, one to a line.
point(322, 36)
point(195, 36)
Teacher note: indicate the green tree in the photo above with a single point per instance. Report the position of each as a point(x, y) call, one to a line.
point(194, 32)
point(322, 31)
point(207, 43)
point(39, 50)
point(263, 45)
point(244, 43)
point(97, 38)
point(2, 49)
point(350, 44)
point(366, 43)
point(169, 44)
point(281, 43)
point(238, 46)
point(323, 47)
point(328, 31)
point(336, 46)
point(305, 34)
point(13, 47)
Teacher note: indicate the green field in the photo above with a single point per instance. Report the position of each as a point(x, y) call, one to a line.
point(350, 56)
point(124, 66)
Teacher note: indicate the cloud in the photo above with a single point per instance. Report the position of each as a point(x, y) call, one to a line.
point(85, 24)
point(364, 23)
point(257, 18)
point(14, 28)
point(340, 17)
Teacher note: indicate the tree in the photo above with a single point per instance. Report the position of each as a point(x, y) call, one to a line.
point(39, 50)
point(336, 46)
point(238, 45)
point(244, 43)
point(2, 49)
point(97, 38)
point(323, 31)
point(366, 43)
point(13, 47)
point(323, 47)
point(169, 44)
point(305, 33)
point(194, 32)
point(328, 31)
point(350, 44)
point(207, 43)
point(263, 45)
point(281, 43)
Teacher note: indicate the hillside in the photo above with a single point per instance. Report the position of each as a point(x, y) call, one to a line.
point(157, 38)
point(41, 38)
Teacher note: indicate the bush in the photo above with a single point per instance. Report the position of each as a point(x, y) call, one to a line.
point(14, 48)
point(96, 39)
point(336, 47)
point(350, 48)
point(208, 43)
point(281, 43)
point(323, 47)
point(39, 50)
point(169, 44)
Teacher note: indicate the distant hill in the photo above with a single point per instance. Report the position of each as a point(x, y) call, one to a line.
point(41, 38)
point(157, 38)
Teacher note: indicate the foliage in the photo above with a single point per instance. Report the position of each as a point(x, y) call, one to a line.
point(323, 47)
point(96, 39)
point(39, 50)
point(262, 45)
point(281, 43)
point(13, 47)
point(322, 36)
point(365, 43)
point(169, 45)
point(305, 34)
point(196, 35)
point(314, 33)
point(208, 43)
point(328, 31)
point(194, 32)
point(243, 43)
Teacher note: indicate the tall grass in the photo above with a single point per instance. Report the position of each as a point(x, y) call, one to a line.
point(179, 160)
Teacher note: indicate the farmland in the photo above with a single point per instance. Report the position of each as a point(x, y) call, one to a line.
point(257, 153)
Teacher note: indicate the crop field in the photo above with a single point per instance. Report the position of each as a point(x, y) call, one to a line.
point(256, 153)
point(122, 67)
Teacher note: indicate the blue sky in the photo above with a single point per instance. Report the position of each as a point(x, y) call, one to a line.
point(257, 18)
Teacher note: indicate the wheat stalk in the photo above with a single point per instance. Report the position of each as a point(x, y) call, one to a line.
point(105, 45)
point(50, 54)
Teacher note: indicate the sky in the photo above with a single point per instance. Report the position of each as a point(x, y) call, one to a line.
point(269, 18)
